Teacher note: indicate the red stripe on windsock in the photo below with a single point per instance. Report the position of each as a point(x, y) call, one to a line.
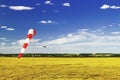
point(25, 45)
point(29, 36)
point(20, 55)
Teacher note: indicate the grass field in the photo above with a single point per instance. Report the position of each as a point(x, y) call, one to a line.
point(60, 69)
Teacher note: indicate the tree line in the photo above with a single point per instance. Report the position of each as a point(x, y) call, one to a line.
point(63, 55)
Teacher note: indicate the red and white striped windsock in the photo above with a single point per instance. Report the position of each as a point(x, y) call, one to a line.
point(30, 34)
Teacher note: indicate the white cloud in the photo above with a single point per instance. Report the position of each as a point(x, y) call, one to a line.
point(115, 32)
point(13, 43)
point(7, 28)
point(35, 40)
point(49, 3)
point(105, 6)
point(118, 24)
point(115, 7)
point(84, 40)
point(21, 41)
point(66, 4)
point(104, 27)
point(3, 6)
point(38, 4)
point(10, 49)
point(3, 44)
point(47, 22)
point(43, 22)
point(3, 27)
point(50, 22)
point(110, 25)
point(70, 35)
point(19, 8)
point(84, 36)
point(2, 38)
point(10, 29)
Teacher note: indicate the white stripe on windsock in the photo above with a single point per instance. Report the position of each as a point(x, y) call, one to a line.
point(22, 50)
point(27, 40)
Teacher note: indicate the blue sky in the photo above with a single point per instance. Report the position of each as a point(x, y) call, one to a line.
point(64, 26)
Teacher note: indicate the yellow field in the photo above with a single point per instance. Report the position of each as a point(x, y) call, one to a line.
point(60, 69)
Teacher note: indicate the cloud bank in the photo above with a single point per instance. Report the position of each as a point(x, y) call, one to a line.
point(82, 41)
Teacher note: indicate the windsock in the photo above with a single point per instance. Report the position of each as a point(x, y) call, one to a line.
point(31, 33)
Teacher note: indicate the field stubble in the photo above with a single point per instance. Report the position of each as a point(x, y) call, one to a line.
point(60, 69)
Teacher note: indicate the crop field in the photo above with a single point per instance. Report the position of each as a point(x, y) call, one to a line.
point(59, 68)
